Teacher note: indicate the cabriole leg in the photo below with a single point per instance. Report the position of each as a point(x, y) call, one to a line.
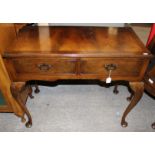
point(30, 92)
point(130, 97)
point(36, 89)
point(20, 92)
point(115, 91)
point(138, 89)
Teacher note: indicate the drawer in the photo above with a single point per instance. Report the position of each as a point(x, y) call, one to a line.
point(122, 67)
point(24, 69)
point(42, 66)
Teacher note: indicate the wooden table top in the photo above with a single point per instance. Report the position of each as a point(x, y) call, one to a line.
point(75, 41)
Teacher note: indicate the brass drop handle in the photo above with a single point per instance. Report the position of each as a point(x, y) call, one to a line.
point(44, 67)
point(110, 67)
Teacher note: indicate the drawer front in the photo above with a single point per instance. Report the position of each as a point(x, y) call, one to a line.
point(24, 69)
point(120, 67)
point(44, 66)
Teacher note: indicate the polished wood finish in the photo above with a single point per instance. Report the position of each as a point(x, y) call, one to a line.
point(5, 84)
point(91, 46)
point(19, 26)
point(77, 41)
point(20, 92)
point(26, 68)
point(138, 89)
point(97, 66)
point(6, 107)
point(54, 53)
point(7, 35)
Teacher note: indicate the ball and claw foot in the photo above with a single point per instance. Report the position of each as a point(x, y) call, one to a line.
point(128, 99)
point(124, 124)
point(28, 124)
point(153, 126)
point(30, 92)
point(31, 96)
point(115, 91)
point(37, 90)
